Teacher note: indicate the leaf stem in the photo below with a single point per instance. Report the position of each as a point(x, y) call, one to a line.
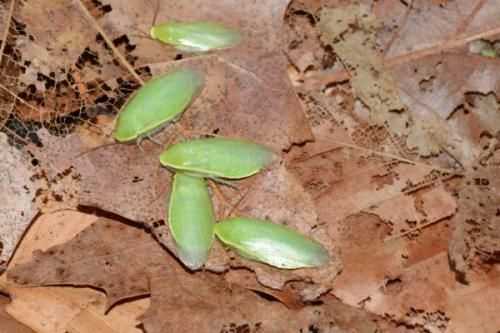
point(109, 42)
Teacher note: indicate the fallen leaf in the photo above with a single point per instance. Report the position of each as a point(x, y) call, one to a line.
point(350, 30)
point(278, 196)
point(56, 309)
point(144, 187)
point(148, 268)
point(476, 235)
point(18, 190)
point(69, 264)
point(9, 324)
point(477, 123)
point(417, 31)
point(239, 312)
point(428, 297)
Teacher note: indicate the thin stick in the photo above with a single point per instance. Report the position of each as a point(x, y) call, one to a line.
point(108, 41)
point(235, 207)
point(10, 92)
point(157, 10)
point(218, 193)
point(7, 27)
point(438, 47)
point(420, 227)
point(388, 155)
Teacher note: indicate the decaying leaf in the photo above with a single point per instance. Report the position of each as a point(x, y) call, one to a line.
point(351, 31)
point(428, 297)
point(17, 196)
point(476, 236)
point(384, 86)
point(477, 123)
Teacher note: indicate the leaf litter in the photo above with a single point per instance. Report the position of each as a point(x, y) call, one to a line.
point(61, 310)
point(125, 261)
point(382, 196)
point(394, 210)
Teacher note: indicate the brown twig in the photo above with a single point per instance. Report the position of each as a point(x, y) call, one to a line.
point(109, 42)
point(7, 27)
point(10, 92)
point(236, 206)
point(406, 233)
point(387, 155)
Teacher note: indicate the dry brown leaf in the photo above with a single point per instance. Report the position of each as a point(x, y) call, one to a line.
point(53, 50)
point(380, 214)
point(405, 278)
point(351, 32)
point(128, 181)
point(61, 310)
point(406, 212)
point(431, 24)
point(107, 266)
point(437, 89)
point(477, 122)
point(9, 324)
point(476, 236)
point(17, 190)
point(121, 319)
point(426, 48)
point(52, 46)
point(431, 77)
point(92, 257)
point(235, 310)
point(74, 310)
point(428, 297)
point(51, 309)
point(277, 195)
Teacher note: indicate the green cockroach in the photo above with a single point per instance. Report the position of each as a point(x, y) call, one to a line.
point(191, 219)
point(201, 36)
point(271, 243)
point(159, 101)
point(217, 157)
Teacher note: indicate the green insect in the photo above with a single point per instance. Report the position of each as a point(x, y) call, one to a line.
point(191, 219)
point(159, 101)
point(195, 36)
point(217, 157)
point(271, 243)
